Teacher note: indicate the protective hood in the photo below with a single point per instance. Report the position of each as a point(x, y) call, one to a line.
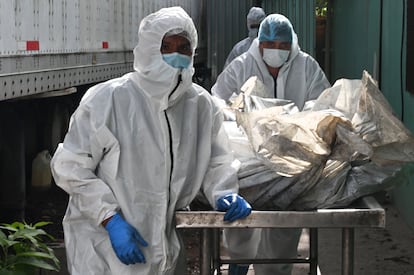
point(154, 76)
point(274, 27)
point(300, 79)
point(255, 16)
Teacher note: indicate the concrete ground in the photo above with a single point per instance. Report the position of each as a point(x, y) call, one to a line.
point(387, 251)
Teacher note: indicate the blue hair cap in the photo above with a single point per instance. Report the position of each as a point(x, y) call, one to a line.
point(275, 27)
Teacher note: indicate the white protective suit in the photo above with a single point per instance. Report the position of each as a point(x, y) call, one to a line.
point(255, 16)
point(143, 144)
point(300, 79)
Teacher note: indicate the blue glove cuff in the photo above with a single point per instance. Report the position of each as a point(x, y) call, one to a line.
point(115, 219)
point(223, 203)
point(236, 207)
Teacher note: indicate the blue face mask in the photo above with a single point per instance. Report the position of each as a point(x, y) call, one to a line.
point(177, 60)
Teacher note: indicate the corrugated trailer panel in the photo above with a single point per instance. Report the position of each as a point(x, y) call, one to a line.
point(226, 25)
point(302, 15)
point(355, 44)
point(69, 26)
point(6, 23)
point(53, 45)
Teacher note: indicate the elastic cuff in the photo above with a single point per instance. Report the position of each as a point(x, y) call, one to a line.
point(107, 217)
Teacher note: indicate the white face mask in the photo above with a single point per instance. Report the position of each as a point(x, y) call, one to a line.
point(275, 57)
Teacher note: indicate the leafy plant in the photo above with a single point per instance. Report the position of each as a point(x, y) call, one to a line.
point(23, 249)
point(321, 7)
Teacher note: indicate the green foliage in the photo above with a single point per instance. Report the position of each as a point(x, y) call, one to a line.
point(321, 7)
point(23, 250)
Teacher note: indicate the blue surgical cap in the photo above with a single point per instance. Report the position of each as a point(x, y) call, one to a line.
point(275, 27)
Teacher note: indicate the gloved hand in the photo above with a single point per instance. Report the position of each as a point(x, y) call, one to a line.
point(125, 240)
point(235, 206)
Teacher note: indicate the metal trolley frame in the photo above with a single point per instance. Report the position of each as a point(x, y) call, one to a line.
point(366, 212)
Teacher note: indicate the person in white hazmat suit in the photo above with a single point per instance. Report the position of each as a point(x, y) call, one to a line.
point(138, 148)
point(287, 73)
point(254, 17)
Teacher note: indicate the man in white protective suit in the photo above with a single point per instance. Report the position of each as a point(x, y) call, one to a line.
point(138, 148)
point(254, 17)
point(287, 73)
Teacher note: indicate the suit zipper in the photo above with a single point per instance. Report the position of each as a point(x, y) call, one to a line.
point(169, 129)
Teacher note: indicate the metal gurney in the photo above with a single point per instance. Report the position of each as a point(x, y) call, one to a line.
point(366, 212)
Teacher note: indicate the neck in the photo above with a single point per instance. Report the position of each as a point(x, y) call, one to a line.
point(273, 71)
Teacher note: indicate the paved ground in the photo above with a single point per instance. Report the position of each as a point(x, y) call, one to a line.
point(388, 251)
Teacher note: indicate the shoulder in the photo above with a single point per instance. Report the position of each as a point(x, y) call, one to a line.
point(199, 91)
point(307, 58)
point(107, 90)
point(243, 43)
point(239, 63)
point(306, 62)
point(203, 96)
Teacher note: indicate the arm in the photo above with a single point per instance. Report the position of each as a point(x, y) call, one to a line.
point(317, 81)
point(232, 55)
point(227, 82)
point(221, 182)
point(75, 162)
point(87, 147)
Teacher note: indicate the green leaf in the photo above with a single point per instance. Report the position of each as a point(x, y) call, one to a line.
point(40, 224)
point(17, 225)
point(7, 243)
point(24, 249)
point(4, 241)
point(30, 232)
point(36, 254)
point(36, 263)
point(8, 227)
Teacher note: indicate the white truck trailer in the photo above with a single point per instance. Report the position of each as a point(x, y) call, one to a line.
point(50, 46)
point(51, 51)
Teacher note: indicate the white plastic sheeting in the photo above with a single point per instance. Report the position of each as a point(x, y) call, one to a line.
point(349, 144)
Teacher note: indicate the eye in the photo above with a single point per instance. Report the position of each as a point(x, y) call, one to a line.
point(165, 47)
point(271, 44)
point(185, 49)
point(285, 46)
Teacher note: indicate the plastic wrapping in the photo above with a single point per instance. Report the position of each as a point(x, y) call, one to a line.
point(347, 145)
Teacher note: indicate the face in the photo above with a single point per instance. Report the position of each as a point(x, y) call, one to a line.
point(176, 43)
point(281, 45)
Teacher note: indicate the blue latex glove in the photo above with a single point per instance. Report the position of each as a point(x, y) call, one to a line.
point(125, 240)
point(235, 206)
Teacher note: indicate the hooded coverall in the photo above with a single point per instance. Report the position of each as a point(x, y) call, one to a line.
point(143, 145)
point(255, 16)
point(300, 79)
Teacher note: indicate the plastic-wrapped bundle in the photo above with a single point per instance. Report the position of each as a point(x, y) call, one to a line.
point(291, 144)
point(372, 119)
point(349, 144)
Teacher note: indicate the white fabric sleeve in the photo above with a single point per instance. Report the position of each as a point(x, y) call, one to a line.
point(73, 167)
point(232, 55)
point(221, 177)
point(318, 81)
point(227, 82)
